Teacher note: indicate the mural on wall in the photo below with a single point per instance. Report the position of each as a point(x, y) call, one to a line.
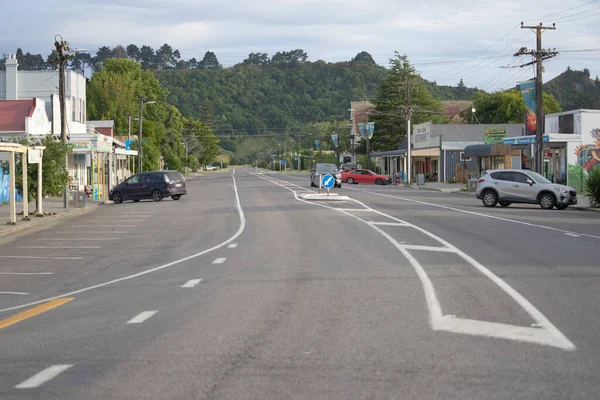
point(4, 195)
point(588, 157)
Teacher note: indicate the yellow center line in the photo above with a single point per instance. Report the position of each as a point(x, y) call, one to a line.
point(32, 312)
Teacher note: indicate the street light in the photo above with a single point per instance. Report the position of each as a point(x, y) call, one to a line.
point(141, 146)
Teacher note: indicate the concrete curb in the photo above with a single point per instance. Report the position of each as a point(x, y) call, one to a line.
point(25, 226)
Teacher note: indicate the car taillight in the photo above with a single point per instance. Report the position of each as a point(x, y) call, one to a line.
point(480, 180)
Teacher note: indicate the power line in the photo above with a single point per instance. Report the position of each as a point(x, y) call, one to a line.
point(565, 10)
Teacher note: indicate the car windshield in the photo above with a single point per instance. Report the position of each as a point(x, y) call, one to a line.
point(330, 169)
point(538, 178)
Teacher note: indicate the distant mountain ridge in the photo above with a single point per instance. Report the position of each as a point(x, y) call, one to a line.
point(575, 89)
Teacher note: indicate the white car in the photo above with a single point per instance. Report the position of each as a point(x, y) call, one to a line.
point(210, 168)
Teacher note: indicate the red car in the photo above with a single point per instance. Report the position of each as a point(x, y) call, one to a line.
point(364, 176)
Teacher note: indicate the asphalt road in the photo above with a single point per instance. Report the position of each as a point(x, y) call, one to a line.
point(242, 290)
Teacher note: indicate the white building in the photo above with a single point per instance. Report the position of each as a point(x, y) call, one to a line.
point(26, 85)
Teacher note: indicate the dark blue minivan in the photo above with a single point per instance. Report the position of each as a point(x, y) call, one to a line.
point(154, 185)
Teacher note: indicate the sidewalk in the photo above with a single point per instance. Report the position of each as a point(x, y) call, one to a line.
point(53, 209)
point(583, 202)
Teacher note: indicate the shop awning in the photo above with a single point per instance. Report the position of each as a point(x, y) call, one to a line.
point(483, 150)
point(430, 152)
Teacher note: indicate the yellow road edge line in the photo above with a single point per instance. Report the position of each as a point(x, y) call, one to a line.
point(32, 312)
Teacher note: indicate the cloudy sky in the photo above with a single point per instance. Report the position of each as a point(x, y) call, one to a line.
point(446, 39)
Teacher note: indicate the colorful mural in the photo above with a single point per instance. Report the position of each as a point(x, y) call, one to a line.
point(588, 157)
point(4, 195)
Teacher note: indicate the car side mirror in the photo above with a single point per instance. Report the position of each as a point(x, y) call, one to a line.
point(530, 182)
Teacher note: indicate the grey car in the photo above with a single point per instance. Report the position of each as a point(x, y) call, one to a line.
point(324, 169)
point(509, 186)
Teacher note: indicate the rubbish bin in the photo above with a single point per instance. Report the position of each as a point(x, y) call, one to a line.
point(472, 185)
point(420, 179)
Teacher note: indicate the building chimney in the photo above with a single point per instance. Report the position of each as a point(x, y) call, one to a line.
point(11, 77)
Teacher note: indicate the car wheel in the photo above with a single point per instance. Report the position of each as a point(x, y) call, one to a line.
point(136, 200)
point(157, 195)
point(504, 203)
point(490, 199)
point(350, 181)
point(117, 198)
point(547, 201)
point(562, 207)
point(176, 197)
point(378, 181)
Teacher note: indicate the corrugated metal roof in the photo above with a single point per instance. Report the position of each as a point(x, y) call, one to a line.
point(13, 114)
point(457, 145)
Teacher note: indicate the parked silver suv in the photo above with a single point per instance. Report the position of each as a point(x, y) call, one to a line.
point(521, 186)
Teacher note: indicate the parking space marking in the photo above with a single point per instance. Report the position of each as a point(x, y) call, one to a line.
point(92, 231)
point(16, 293)
point(76, 239)
point(60, 247)
point(545, 334)
point(191, 283)
point(572, 234)
point(232, 246)
point(43, 376)
point(428, 248)
point(219, 260)
point(388, 223)
point(43, 258)
point(26, 273)
point(141, 317)
point(32, 312)
point(104, 226)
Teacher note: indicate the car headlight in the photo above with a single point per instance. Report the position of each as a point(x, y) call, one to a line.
point(563, 191)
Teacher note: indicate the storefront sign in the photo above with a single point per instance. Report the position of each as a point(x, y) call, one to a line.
point(81, 145)
point(34, 156)
point(494, 134)
point(524, 140)
point(422, 135)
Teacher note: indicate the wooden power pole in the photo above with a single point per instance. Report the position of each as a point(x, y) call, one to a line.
point(540, 55)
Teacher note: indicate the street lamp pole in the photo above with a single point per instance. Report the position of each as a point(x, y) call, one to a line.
point(140, 141)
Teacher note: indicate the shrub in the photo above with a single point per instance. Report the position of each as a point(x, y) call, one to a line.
point(592, 187)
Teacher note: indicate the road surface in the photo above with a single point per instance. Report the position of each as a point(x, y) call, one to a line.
point(242, 290)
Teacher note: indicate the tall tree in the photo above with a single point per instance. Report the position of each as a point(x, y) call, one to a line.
point(392, 96)
point(164, 57)
point(289, 57)
point(147, 57)
point(208, 144)
point(210, 61)
point(363, 58)
point(257, 59)
point(506, 107)
point(80, 62)
point(118, 52)
point(133, 52)
point(103, 54)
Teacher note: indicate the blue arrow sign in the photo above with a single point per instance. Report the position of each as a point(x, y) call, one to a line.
point(327, 181)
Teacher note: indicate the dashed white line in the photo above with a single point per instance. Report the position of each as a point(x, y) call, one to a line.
point(141, 317)
point(428, 248)
point(76, 239)
point(191, 283)
point(92, 225)
point(43, 258)
point(572, 234)
point(59, 247)
point(388, 223)
point(43, 376)
point(16, 293)
point(232, 246)
point(26, 273)
point(219, 260)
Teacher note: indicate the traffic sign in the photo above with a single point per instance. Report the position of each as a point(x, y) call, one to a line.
point(283, 162)
point(327, 181)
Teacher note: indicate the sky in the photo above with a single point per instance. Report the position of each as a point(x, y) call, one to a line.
point(445, 40)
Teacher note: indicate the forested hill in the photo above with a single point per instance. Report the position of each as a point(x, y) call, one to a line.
point(250, 99)
point(575, 89)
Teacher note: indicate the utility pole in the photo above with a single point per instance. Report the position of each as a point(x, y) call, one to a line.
point(62, 56)
point(128, 126)
point(299, 150)
point(540, 55)
point(141, 100)
point(407, 112)
point(367, 135)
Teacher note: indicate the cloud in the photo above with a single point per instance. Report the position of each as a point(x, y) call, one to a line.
point(443, 38)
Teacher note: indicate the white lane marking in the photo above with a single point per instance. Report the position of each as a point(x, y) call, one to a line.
point(232, 246)
point(26, 273)
point(43, 376)
point(59, 247)
point(388, 223)
point(476, 213)
point(241, 228)
point(43, 258)
point(233, 173)
point(117, 220)
point(353, 210)
point(141, 317)
point(219, 260)
point(572, 234)
point(191, 283)
point(75, 239)
point(17, 293)
point(92, 231)
point(547, 334)
point(92, 226)
point(428, 248)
